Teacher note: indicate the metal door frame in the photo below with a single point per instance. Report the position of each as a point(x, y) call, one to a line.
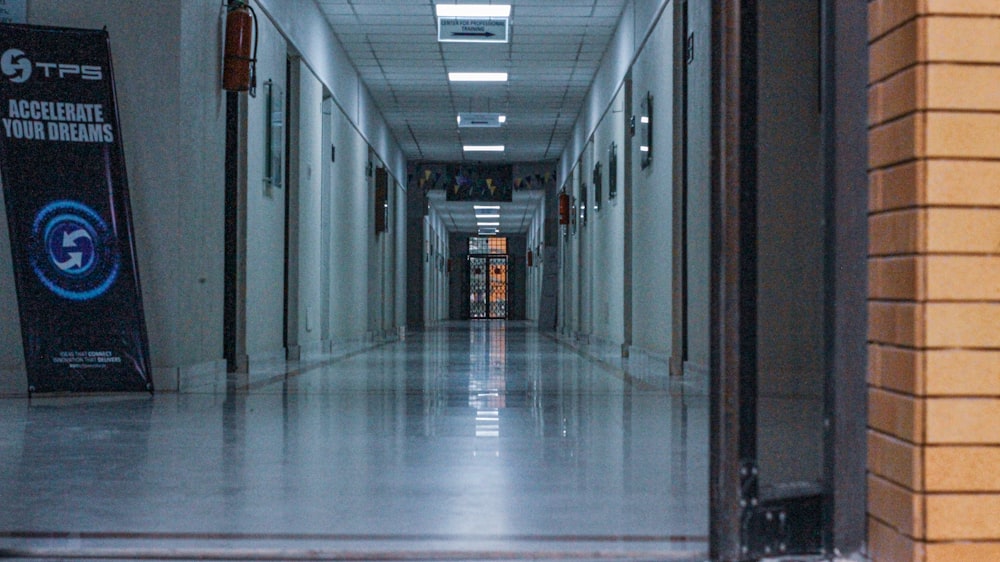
point(736, 522)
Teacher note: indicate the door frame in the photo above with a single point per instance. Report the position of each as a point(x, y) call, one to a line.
point(843, 98)
point(489, 259)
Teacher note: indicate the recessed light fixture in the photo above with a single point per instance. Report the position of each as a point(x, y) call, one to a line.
point(478, 217)
point(481, 207)
point(472, 10)
point(483, 148)
point(477, 76)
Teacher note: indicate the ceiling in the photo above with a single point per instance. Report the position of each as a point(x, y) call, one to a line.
point(515, 216)
point(554, 51)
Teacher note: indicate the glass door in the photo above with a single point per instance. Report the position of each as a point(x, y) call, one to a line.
point(488, 287)
point(498, 286)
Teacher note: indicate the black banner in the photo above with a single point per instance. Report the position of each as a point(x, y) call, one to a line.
point(481, 182)
point(67, 200)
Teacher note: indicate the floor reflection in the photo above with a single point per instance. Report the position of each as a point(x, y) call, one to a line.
point(472, 434)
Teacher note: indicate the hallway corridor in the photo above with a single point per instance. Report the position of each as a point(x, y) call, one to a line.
point(483, 440)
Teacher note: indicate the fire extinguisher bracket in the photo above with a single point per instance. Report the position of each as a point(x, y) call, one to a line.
point(239, 71)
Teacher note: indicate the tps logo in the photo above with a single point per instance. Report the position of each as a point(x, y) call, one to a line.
point(16, 66)
point(73, 251)
point(69, 241)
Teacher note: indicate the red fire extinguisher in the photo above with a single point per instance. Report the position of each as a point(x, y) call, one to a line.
point(563, 208)
point(239, 71)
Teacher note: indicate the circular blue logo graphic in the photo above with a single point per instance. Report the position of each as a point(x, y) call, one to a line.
point(73, 251)
point(70, 245)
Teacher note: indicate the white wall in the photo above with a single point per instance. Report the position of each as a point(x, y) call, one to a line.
point(652, 196)
point(699, 187)
point(400, 222)
point(536, 272)
point(586, 240)
point(172, 114)
point(305, 27)
point(592, 281)
point(199, 156)
point(265, 271)
point(167, 58)
point(350, 231)
point(569, 255)
point(374, 261)
point(363, 273)
point(311, 223)
point(436, 278)
point(608, 226)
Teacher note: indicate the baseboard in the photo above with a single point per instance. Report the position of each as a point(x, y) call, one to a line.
point(608, 351)
point(637, 352)
point(205, 376)
point(648, 366)
point(695, 369)
point(593, 347)
point(265, 359)
point(313, 349)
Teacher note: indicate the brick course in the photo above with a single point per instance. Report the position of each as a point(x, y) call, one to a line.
point(934, 280)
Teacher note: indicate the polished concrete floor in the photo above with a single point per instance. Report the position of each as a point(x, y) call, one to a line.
point(483, 440)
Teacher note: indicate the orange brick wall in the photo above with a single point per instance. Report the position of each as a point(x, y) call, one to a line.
point(934, 280)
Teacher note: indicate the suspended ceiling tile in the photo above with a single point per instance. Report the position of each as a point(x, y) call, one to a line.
point(555, 48)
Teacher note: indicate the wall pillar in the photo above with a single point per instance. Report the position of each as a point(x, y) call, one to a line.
point(933, 269)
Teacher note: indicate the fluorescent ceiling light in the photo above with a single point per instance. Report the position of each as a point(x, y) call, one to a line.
point(472, 10)
point(483, 148)
point(494, 216)
point(482, 224)
point(477, 76)
point(497, 207)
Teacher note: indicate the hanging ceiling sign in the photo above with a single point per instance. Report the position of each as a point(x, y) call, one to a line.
point(473, 30)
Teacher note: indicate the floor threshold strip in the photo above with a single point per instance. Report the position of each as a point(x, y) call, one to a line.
point(266, 554)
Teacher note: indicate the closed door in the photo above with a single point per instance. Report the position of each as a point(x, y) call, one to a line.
point(487, 287)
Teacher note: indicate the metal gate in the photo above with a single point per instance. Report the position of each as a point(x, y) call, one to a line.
point(488, 287)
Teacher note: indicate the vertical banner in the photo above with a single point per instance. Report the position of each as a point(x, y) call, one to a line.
point(66, 193)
